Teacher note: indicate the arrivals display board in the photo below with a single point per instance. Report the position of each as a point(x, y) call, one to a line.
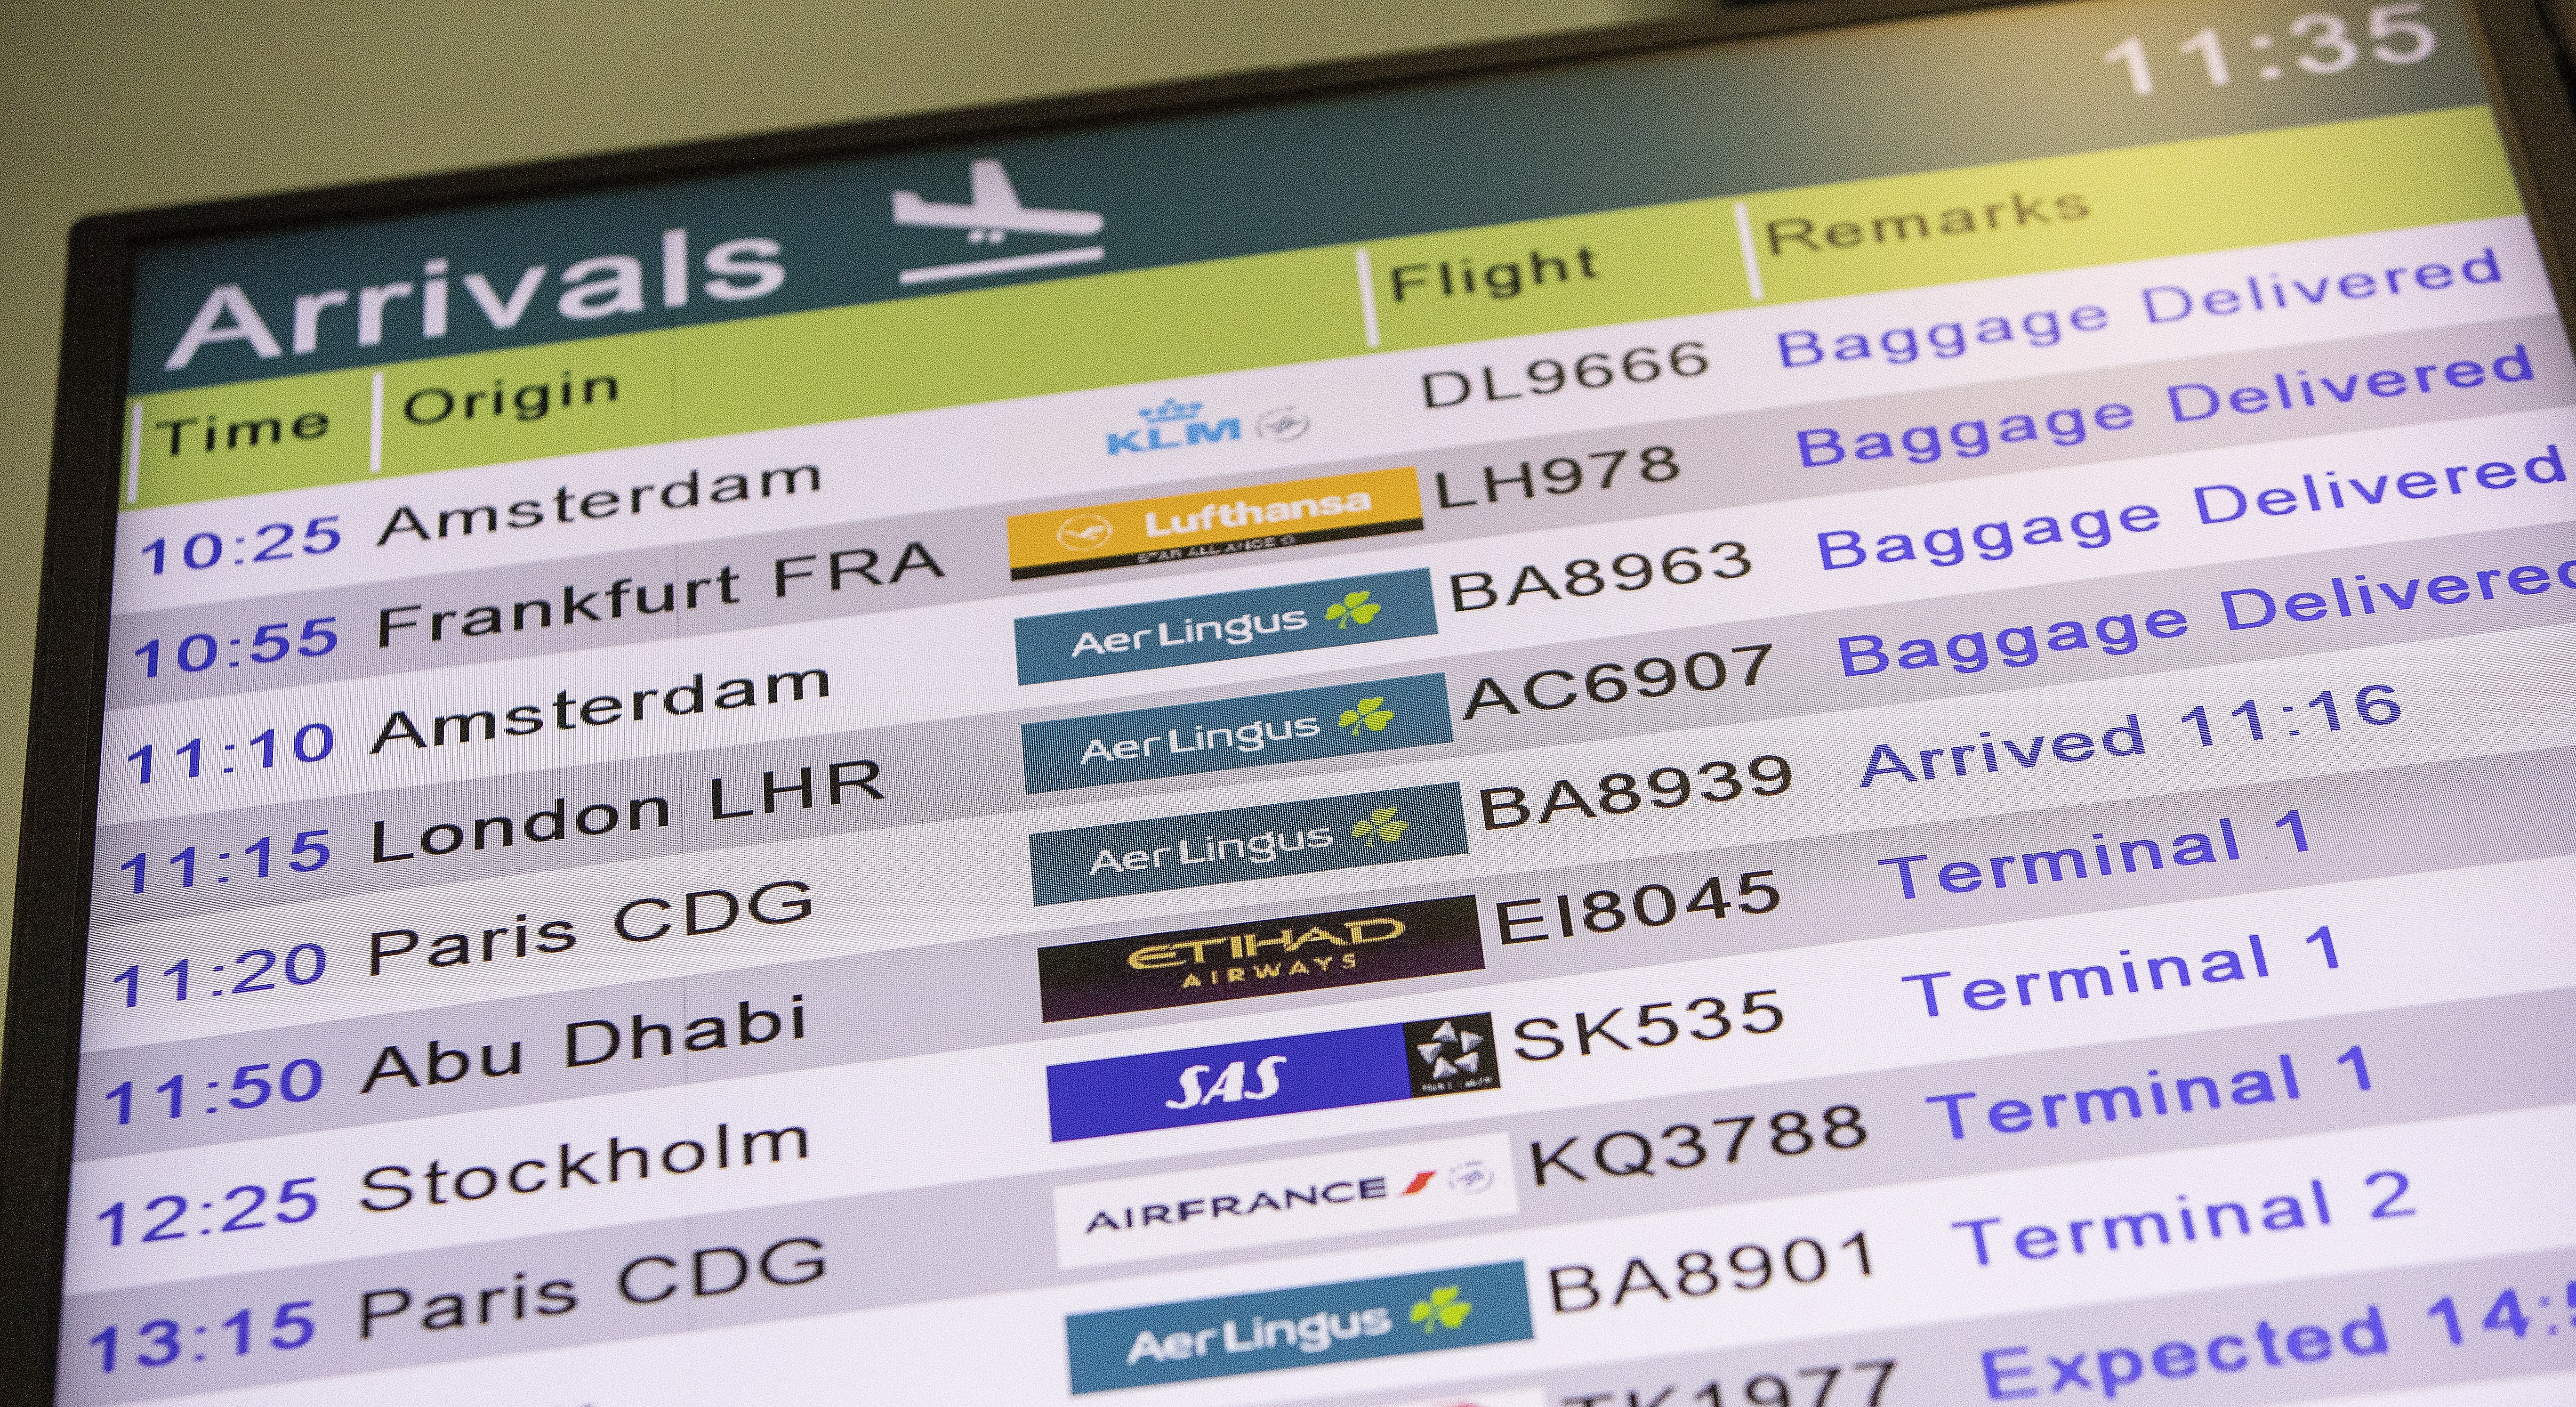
point(1857, 715)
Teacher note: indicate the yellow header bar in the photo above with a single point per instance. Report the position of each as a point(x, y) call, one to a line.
point(1308, 305)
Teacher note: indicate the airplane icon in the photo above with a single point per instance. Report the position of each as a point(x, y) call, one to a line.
point(995, 212)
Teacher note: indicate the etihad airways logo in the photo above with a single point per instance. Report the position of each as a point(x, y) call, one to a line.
point(1260, 956)
point(590, 289)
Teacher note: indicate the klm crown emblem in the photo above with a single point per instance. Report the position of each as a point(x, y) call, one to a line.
point(1172, 409)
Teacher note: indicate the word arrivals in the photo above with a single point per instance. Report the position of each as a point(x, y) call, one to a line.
point(2289, 1212)
point(594, 287)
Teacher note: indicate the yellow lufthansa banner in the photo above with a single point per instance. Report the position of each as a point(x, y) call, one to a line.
point(1215, 523)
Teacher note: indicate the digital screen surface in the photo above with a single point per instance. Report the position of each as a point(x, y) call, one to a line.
point(1871, 717)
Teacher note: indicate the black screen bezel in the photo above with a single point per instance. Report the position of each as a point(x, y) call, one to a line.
point(2524, 63)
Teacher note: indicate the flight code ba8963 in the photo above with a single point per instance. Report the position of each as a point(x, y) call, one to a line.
point(1585, 578)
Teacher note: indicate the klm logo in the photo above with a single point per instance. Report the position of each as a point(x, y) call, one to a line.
point(1174, 424)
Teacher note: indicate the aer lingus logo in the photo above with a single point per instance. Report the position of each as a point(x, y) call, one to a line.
point(1355, 606)
point(1444, 1310)
point(1381, 824)
point(1369, 715)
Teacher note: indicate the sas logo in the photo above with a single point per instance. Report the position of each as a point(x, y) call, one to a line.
point(1251, 1079)
point(1216, 522)
point(1174, 424)
point(1256, 958)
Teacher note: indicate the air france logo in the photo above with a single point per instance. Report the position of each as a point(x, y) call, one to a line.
point(992, 214)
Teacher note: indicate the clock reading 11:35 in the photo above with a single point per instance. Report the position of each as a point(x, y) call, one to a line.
point(2323, 39)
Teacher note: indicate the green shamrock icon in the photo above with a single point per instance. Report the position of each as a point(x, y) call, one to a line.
point(1369, 715)
point(1444, 1310)
point(1381, 825)
point(1355, 607)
